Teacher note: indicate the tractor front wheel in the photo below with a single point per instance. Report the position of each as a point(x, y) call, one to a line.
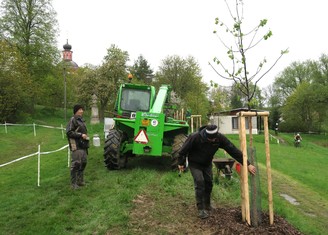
point(113, 159)
point(177, 144)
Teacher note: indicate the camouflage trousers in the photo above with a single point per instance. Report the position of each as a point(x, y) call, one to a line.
point(78, 164)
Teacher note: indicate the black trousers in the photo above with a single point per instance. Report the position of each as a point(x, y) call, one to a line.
point(203, 183)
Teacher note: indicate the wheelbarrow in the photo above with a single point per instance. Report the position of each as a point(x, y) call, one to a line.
point(224, 165)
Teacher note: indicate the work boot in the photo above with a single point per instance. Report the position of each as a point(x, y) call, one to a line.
point(80, 182)
point(74, 180)
point(208, 203)
point(80, 179)
point(202, 214)
point(74, 186)
point(209, 207)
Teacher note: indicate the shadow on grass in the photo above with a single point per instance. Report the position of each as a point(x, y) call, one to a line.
point(162, 164)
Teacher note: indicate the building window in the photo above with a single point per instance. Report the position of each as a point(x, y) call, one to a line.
point(235, 123)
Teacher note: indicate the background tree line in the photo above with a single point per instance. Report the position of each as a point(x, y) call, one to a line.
point(32, 74)
point(299, 95)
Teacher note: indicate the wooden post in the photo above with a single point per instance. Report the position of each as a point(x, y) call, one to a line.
point(245, 171)
point(244, 187)
point(198, 121)
point(268, 167)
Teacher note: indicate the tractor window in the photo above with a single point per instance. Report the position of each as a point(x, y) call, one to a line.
point(135, 100)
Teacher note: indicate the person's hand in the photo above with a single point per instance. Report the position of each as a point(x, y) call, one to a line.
point(251, 169)
point(181, 168)
point(84, 136)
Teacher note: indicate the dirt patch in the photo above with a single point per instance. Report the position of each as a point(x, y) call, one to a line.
point(321, 143)
point(228, 221)
point(149, 218)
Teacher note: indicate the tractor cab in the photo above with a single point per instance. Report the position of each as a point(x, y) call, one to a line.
point(132, 98)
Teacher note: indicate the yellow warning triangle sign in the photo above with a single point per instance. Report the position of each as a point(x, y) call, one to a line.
point(141, 137)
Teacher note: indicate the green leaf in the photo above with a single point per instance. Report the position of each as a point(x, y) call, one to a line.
point(263, 22)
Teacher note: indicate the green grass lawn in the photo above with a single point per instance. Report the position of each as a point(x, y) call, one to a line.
point(105, 204)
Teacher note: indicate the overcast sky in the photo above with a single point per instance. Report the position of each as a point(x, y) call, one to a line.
point(157, 29)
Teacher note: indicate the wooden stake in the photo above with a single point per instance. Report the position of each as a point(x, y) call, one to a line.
point(244, 169)
point(244, 186)
point(242, 190)
point(268, 167)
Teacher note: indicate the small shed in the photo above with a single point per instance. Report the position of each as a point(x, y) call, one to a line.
point(227, 121)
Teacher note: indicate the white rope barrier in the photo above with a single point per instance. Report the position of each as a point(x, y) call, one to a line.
point(6, 124)
point(18, 159)
point(32, 154)
point(274, 138)
point(39, 153)
point(57, 150)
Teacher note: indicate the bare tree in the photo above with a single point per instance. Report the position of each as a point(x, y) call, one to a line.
point(238, 70)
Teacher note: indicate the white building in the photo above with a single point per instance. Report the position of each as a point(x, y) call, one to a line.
point(228, 123)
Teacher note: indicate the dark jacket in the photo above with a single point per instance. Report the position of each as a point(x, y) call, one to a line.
point(200, 151)
point(74, 130)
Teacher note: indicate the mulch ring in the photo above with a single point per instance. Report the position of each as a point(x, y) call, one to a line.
point(228, 221)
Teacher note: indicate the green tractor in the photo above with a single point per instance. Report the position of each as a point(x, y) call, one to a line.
point(143, 126)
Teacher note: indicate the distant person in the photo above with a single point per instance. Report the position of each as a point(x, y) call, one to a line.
point(297, 139)
point(276, 130)
point(78, 140)
point(200, 148)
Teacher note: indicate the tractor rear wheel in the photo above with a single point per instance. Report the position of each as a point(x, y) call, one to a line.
point(177, 144)
point(113, 159)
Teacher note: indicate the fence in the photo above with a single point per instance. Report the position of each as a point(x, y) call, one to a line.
point(34, 127)
point(38, 153)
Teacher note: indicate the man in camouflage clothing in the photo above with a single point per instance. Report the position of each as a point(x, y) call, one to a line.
point(78, 140)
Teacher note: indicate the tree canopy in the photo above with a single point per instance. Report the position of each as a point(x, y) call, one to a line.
point(31, 28)
point(302, 88)
point(184, 76)
point(14, 79)
point(141, 70)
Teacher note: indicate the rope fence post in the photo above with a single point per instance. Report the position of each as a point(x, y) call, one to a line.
point(62, 130)
point(39, 163)
point(34, 129)
point(68, 156)
point(6, 128)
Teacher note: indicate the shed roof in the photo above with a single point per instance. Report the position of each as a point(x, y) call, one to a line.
point(235, 111)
